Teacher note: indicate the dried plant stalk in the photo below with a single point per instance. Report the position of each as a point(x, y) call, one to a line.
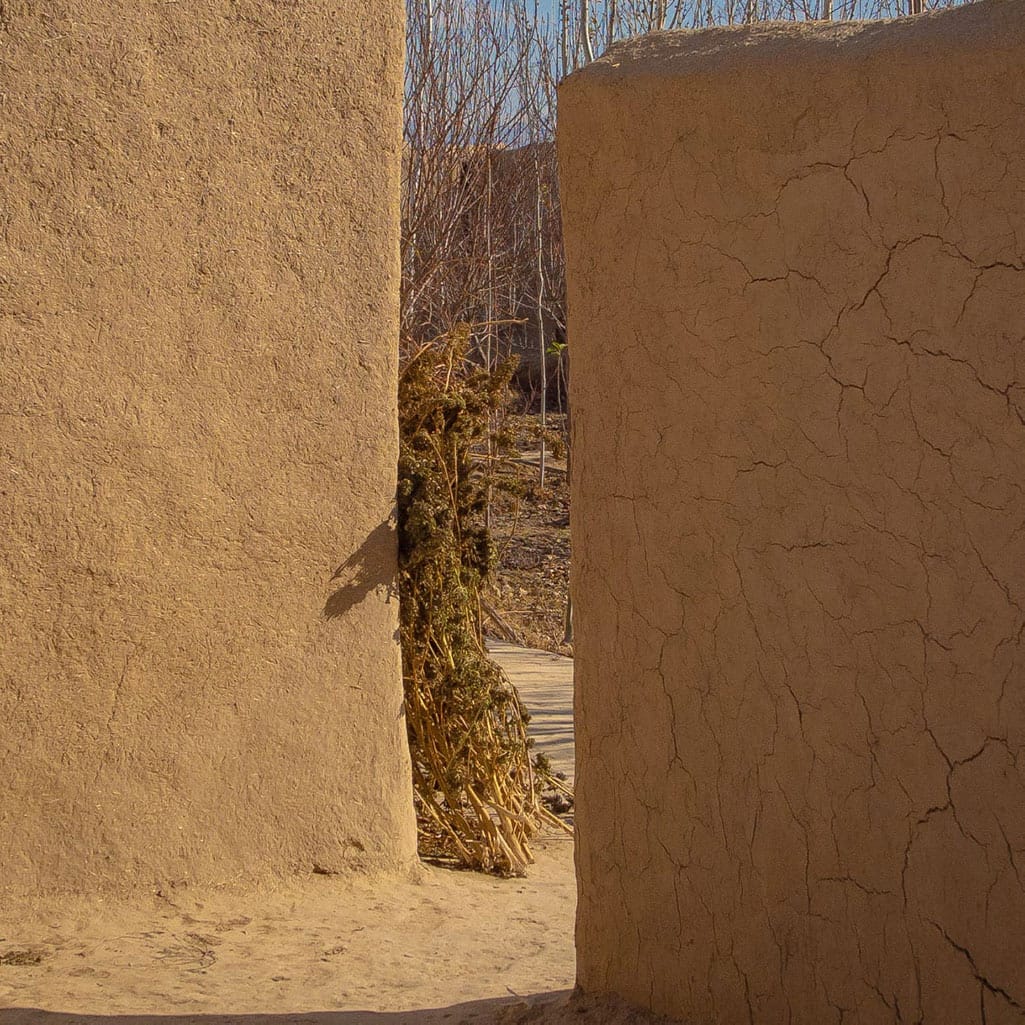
point(478, 802)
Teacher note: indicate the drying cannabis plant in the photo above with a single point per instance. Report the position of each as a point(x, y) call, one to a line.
point(476, 794)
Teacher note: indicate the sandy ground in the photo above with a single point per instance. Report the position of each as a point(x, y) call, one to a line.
point(545, 684)
point(450, 948)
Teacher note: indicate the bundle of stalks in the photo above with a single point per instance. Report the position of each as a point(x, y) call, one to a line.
point(477, 796)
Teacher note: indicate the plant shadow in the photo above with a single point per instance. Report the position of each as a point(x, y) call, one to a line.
point(496, 1011)
point(372, 566)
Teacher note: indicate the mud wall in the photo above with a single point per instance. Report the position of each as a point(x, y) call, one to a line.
point(797, 318)
point(198, 313)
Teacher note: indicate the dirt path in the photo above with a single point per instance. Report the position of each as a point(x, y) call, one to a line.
point(545, 684)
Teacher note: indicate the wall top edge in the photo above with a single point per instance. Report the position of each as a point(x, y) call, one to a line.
point(996, 25)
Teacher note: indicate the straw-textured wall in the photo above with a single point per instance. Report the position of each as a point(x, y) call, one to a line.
point(198, 316)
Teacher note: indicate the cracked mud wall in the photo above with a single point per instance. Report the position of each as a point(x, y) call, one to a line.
point(198, 317)
point(797, 316)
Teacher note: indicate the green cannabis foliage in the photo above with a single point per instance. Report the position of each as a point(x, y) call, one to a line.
point(476, 798)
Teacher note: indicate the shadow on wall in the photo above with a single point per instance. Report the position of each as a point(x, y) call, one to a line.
point(371, 566)
point(476, 1012)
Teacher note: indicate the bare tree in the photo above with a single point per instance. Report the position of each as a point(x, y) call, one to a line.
point(585, 29)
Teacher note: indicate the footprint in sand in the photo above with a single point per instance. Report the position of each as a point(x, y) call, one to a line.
point(232, 923)
point(22, 957)
point(194, 954)
point(86, 972)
